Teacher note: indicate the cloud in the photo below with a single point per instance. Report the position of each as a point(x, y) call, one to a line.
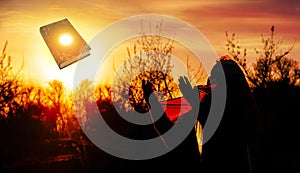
point(248, 9)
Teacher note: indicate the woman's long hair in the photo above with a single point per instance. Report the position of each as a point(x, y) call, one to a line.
point(239, 93)
point(241, 97)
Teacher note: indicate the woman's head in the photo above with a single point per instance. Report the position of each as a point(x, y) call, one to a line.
point(234, 76)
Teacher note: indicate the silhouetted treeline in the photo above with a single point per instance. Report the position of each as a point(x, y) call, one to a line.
point(275, 81)
point(280, 121)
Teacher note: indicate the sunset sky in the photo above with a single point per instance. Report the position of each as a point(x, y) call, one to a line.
point(20, 21)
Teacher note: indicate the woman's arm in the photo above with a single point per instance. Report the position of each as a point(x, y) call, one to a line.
point(156, 111)
point(199, 100)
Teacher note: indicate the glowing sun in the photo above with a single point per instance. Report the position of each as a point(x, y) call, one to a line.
point(65, 39)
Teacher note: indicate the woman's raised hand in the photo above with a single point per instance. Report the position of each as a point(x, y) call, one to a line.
point(189, 93)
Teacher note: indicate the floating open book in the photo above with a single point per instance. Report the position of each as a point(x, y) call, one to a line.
point(64, 42)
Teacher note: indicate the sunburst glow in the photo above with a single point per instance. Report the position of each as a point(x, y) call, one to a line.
point(65, 39)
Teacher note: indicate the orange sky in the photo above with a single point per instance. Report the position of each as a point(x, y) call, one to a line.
point(20, 21)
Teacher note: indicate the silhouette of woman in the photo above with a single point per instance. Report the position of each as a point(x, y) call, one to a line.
point(228, 150)
point(230, 147)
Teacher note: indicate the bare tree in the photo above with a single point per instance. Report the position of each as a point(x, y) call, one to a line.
point(149, 60)
point(235, 50)
point(9, 85)
point(272, 63)
point(61, 104)
point(84, 96)
point(195, 75)
point(103, 97)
